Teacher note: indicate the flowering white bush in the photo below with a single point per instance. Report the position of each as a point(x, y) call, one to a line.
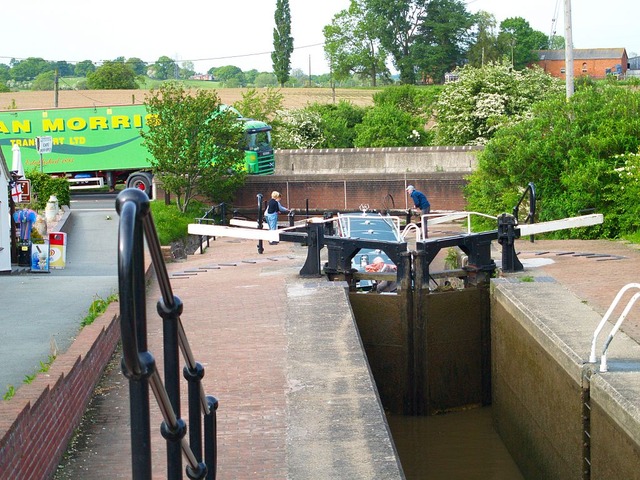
point(299, 129)
point(470, 110)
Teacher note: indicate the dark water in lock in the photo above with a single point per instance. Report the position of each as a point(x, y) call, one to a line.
point(456, 446)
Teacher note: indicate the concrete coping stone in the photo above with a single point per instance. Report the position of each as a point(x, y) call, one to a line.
point(336, 422)
point(564, 327)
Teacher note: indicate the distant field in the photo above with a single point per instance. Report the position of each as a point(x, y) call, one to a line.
point(293, 97)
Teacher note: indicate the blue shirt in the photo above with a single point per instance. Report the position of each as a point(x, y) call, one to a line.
point(420, 200)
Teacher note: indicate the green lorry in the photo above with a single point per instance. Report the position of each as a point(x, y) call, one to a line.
point(102, 145)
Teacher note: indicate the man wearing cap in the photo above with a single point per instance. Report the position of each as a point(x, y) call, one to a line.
point(419, 199)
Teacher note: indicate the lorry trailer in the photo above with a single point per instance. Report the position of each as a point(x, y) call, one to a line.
point(102, 145)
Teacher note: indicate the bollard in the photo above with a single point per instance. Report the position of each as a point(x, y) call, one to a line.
point(260, 221)
point(507, 234)
point(328, 226)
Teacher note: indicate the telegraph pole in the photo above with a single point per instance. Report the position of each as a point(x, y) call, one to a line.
point(55, 88)
point(568, 48)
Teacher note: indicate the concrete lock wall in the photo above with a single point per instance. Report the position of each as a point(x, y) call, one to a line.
point(357, 161)
point(541, 337)
point(344, 179)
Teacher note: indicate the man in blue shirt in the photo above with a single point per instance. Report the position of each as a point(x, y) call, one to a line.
point(419, 199)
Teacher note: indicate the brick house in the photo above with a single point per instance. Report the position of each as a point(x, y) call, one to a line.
point(588, 62)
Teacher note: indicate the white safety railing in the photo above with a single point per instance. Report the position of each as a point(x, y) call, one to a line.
point(88, 182)
point(436, 218)
point(412, 228)
point(616, 327)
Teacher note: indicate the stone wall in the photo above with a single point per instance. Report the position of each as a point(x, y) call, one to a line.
point(396, 160)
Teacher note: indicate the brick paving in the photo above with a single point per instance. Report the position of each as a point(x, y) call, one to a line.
point(593, 270)
point(243, 348)
point(237, 333)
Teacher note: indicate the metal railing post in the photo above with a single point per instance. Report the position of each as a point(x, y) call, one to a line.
point(138, 365)
point(260, 221)
point(210, 440)
point(170, 316)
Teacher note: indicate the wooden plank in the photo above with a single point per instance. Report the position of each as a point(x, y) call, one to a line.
point(571, 222)
point(236, 222)
point(234, 232)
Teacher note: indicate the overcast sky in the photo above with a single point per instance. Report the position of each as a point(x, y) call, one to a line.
point(240, 33)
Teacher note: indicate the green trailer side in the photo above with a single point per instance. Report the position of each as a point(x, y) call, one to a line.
point(103, 142)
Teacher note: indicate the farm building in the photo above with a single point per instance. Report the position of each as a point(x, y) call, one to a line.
point(588, 62)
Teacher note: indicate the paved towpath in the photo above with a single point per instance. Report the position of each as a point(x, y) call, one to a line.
point(275, 371)
point(240, 330)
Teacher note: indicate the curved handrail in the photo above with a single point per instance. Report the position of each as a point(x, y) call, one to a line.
point(128, 242)
point(605, 318)
point(138, 364)
point(412, 227)
point(614, 330)
point(435, 218)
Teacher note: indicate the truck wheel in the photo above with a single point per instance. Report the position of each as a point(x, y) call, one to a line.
point(140, 181)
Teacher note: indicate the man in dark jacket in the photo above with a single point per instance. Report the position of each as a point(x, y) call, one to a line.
point(419, 199)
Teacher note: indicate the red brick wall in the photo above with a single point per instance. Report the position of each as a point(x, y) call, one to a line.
point(38, 422)
point(325, 193)
point(596, 68)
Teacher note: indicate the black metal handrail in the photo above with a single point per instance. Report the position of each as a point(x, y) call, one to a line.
point(138, 364)
point(531, 190)
point(209, 218)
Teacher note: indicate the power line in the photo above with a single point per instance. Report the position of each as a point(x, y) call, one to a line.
point(209, 59)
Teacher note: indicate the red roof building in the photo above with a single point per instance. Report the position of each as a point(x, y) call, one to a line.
point(587, 62)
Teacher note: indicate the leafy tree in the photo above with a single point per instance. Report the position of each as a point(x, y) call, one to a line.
point(484, 47)
point(65, 69)
point(282, 42)
point(229, 75)
point(397, 23)
point(29, 68)
point(444, 38)
point(250, 76)
point(84, 68)
point(165, 68)
point(338, 123)
point(519, 41)
point(351, 46)
point(471, 110)
point(137, 65)
point(187, 70)
point(5, 73)
point(580, 153)
point(193, 144)
point(260, 105)
point(265, 80)
point(556, 42)
point(44, 81)
point(112, 76)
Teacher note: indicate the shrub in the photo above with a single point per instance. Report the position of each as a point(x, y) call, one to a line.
point(44, 185)
point(338, 123)
point(388, 126)
point(172, 224)
point(580, 154)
